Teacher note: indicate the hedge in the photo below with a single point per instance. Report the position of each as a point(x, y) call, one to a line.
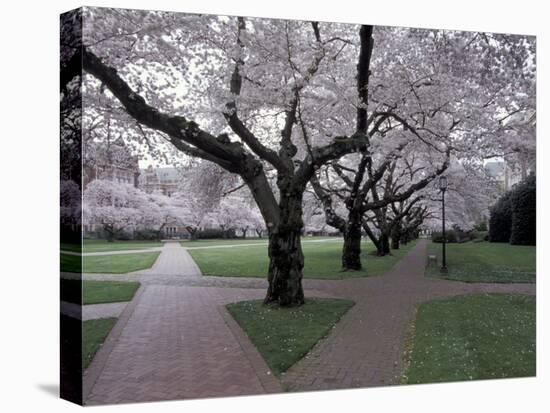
point(500, 220)
point(524, 212)
point(454, 235)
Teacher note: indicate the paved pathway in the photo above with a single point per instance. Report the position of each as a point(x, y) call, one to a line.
point(175, 267)
point(176, 341)
point(364, 349)
point(176, 345)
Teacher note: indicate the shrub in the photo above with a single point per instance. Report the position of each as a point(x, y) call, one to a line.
point(123, 236)
point(481, 227)
point(479, 235)
point(450, 236)
point(146, 235)
point(524, 216)
point(212, 233)
point(500, 221)
point(454, 235)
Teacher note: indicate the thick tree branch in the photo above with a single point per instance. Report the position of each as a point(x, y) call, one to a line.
point(232, 117)
point(177, 127)
point(363, 73)
point(331, 217)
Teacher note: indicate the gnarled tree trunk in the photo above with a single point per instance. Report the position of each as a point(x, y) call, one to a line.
point(384, 247)
point(395, 237)
point(286, 259)
point(351, 253)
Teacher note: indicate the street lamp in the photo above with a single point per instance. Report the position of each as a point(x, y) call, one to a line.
point(443, 187)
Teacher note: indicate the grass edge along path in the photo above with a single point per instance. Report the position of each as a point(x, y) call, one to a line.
point(485, 262)
point(284, 335)
point(108, 264)
point(94, 333)
point(472, 337)
point(101, 245)
point(97, 292)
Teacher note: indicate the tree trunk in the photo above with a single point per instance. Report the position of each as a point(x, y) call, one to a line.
point(351, 253)
point(384, 248)
point(192, 233)
point(286, 260)
point(110, 233)
point(372, 236)
point(159, 232)
point(395, 240)
point(395, 237)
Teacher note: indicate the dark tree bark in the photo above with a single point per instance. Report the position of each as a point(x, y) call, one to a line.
point(286, 260)
point(192, 232)
point(384, 244)
point(396, 237)
point(351, 253)
point(160, 232)
point(110, 230)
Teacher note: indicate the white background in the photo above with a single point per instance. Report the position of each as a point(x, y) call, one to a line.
point(29, 196)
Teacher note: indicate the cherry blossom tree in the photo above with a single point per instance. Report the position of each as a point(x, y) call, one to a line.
point(274, 101)
point(70, 203)
point(115, 206)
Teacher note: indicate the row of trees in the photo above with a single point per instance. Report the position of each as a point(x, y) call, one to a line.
point(367, 115)
point(118, 207)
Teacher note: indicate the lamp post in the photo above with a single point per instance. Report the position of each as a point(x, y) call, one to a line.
point(443, 187)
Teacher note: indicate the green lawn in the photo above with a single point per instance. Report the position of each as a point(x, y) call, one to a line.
point(284, 335)
point(112, 264)
point(322, 260)
point(217, 242)
point(234, 241)
point(486, 262)
point(473, 337)
point(101, 245)
point(94, 333)
point(96, 292)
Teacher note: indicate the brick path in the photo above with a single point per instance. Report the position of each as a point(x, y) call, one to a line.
point(364, 349)
point(176, 345)
point(175, 340)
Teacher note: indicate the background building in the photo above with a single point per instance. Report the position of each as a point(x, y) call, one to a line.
point(111, 161)
point(163, 180)
point(506, 174)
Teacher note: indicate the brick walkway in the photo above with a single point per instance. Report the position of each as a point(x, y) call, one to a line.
point(364, 349)
point(176, 345)
point(175, 340)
